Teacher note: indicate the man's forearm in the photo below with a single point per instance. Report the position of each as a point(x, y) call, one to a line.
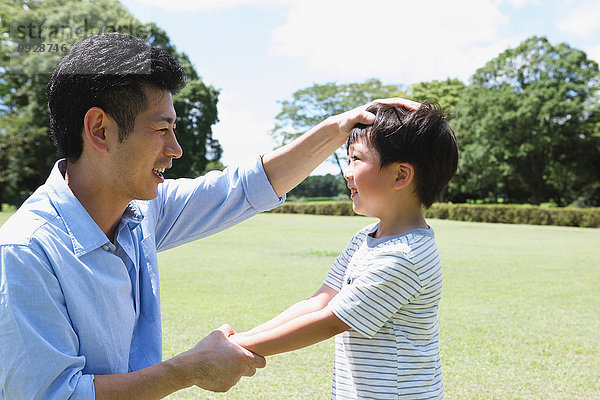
point(213, 364)
point(154, 382)
point(289, 165)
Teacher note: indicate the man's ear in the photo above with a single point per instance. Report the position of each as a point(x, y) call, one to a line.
point(405, 174)
point(95, 124)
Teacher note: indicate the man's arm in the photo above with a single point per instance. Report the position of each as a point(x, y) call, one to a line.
point(214, 364)
point(289, 165)
point(39, 350)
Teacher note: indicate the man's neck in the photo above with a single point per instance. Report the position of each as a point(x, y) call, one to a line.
point(91, 191)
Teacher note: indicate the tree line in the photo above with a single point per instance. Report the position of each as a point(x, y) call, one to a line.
point(36, 35)
point(528, 123)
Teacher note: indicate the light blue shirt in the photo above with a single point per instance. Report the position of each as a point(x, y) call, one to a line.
point(73, 304)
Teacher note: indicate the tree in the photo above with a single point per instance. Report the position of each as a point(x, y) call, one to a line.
point(196, 109)
point(446, 93)
point(319, 186)
point(39, 33)
point(527, 125)
point(313, 104)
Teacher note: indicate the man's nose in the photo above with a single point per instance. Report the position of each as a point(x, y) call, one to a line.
point(172, 147)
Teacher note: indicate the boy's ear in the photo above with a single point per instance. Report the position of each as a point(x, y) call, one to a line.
point(405, 174)
point(96, 123)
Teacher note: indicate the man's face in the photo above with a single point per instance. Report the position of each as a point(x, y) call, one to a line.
point(138, 162)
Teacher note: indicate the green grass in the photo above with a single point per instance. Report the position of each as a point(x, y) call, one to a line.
point(519, 317)
point(4, 215)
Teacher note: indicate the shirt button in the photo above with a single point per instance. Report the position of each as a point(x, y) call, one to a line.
point(349, 281)
point(105, 247)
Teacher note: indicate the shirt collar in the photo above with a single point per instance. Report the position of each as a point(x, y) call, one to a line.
point(132, 215)
point(85, 234)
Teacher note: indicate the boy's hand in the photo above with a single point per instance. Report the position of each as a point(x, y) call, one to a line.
point(241, 339)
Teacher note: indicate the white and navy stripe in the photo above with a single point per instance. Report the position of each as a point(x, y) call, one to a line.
point(389, 293)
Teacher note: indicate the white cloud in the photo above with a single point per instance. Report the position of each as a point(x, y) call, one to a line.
point(593, 53)
point(242, 127)
point(520, 3)
point(583, 20)
point(396, 41)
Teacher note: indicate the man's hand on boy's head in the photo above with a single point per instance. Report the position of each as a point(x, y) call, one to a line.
point(347, 120)
point(359, 115)
point(398, 101)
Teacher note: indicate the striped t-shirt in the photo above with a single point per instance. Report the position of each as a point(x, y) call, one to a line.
point(389, 293)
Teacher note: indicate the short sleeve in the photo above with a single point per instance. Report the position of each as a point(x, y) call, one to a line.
point(38, 346)
point(367, 301)
point(335, 277)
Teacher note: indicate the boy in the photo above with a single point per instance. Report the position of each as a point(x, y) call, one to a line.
point(382, 293)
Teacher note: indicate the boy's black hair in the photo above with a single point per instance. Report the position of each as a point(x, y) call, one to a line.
point(108, 71)
point(422, 138)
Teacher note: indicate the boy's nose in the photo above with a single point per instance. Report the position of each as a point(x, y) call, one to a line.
point(347, 174)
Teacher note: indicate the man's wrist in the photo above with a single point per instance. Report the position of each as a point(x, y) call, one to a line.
point(177, 373)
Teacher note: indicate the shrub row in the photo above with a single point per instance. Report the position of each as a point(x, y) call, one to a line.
point(320, 208)
point(508, 214)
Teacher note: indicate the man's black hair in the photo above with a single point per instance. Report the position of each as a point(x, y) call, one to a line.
point(422, 138)
point(108, 71)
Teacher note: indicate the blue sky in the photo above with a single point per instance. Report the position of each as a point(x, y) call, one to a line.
point(260, 51)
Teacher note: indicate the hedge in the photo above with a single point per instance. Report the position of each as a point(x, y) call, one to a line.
point(500, 213)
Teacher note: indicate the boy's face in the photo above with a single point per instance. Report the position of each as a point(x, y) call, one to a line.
point(369, 184)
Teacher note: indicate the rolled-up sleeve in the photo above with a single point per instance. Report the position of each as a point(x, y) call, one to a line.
point(38, 346)
point(195, 208)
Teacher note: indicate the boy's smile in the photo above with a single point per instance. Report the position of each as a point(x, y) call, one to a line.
point(369, 184)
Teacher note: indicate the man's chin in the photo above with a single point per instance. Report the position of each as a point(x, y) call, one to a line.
point(147, 196)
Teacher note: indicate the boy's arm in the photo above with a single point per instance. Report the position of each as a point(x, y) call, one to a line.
point(316, 302)
point(294, 334)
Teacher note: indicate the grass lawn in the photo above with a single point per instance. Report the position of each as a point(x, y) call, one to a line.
point(519, 317)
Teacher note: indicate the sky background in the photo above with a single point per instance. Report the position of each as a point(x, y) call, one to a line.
point(257, 52)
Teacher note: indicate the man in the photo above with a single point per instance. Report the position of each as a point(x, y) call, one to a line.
point(79, 288)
